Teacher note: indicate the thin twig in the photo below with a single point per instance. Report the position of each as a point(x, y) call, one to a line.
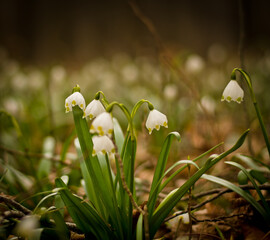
point(22, 211)
point(241, 50)
point(13, 203)
point(168, 61)
point(219, 192)
point(221, 218)
point(124, 183)
point(13, 214)
point(73, 227)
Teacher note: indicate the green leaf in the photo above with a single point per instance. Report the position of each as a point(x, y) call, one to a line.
point(239, 191)
point(118, 135)
point(60, 226)
point(162, 212)
point(100, 184)
point(44, 199)
point(182, 168)
point(251, 162)
point(258, 175)
point(86, 218)
point(139, 228)
point(159, 171)
point(265, 204)
point(156, 191)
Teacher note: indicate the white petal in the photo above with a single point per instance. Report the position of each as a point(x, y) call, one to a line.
point(233, 92)
point(155, 120)
point(74, 99)
point(93, 109)
point(102, 144)
point(102, 124)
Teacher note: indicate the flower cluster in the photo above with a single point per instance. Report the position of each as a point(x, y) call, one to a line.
point(103, 126)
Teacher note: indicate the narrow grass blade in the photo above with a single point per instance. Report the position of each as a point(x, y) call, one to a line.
point(239, 191)
point(265, 204)
point(162, 212)
point(118, 135)
point(95, 171)
point(159, 171)
point(163, 185)
point(139, 228)
point(85, 217)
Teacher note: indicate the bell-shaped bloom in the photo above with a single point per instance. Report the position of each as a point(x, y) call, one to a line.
point(155, 120)
point(102, 144)
point(93, 109)
point(74, 99)
point(102, 124)
point(233, 92)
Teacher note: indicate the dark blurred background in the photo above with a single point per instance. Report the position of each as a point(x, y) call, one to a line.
point(72, 32)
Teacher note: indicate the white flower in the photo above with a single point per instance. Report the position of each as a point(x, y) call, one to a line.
point(155, 120)
point(233, 92)
point(93, 109)
point(102, 144)
point(170, 92)
point(74, 99)
point(102, 124)
point(27, 225)
point(194, 64)
point(185, 218)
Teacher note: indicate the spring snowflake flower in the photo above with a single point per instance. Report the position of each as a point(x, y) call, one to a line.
point(102, 144)
point(155, 120)
point(74, 99)
point(233, 92)
point(102, 124)
point(93, 109)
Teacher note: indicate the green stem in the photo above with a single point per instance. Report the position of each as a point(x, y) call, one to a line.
point(103, 99)
point(137, 106)
point(249, 83)
point(128, 116)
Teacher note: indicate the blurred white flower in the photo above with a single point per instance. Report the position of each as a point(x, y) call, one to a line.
point(170, 92)
point(102, 144)
point(208, 104)
point(36, 79)
point(185, 218)
point(93, 109)
point(19, 81)
point(233, 92)
point(58, 73)
point(130, 73)
point(194, 64)
point(65, 179)
point(102, 124)
point(27, 225)
point(12, 105)
point(74, 99)
point(155, 120)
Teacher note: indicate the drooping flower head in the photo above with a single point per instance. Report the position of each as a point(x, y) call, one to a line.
point(233, 92)
point(102, 144)
point(74, 99)
point(155, 120)
point(93, 109)
point(102, 124)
